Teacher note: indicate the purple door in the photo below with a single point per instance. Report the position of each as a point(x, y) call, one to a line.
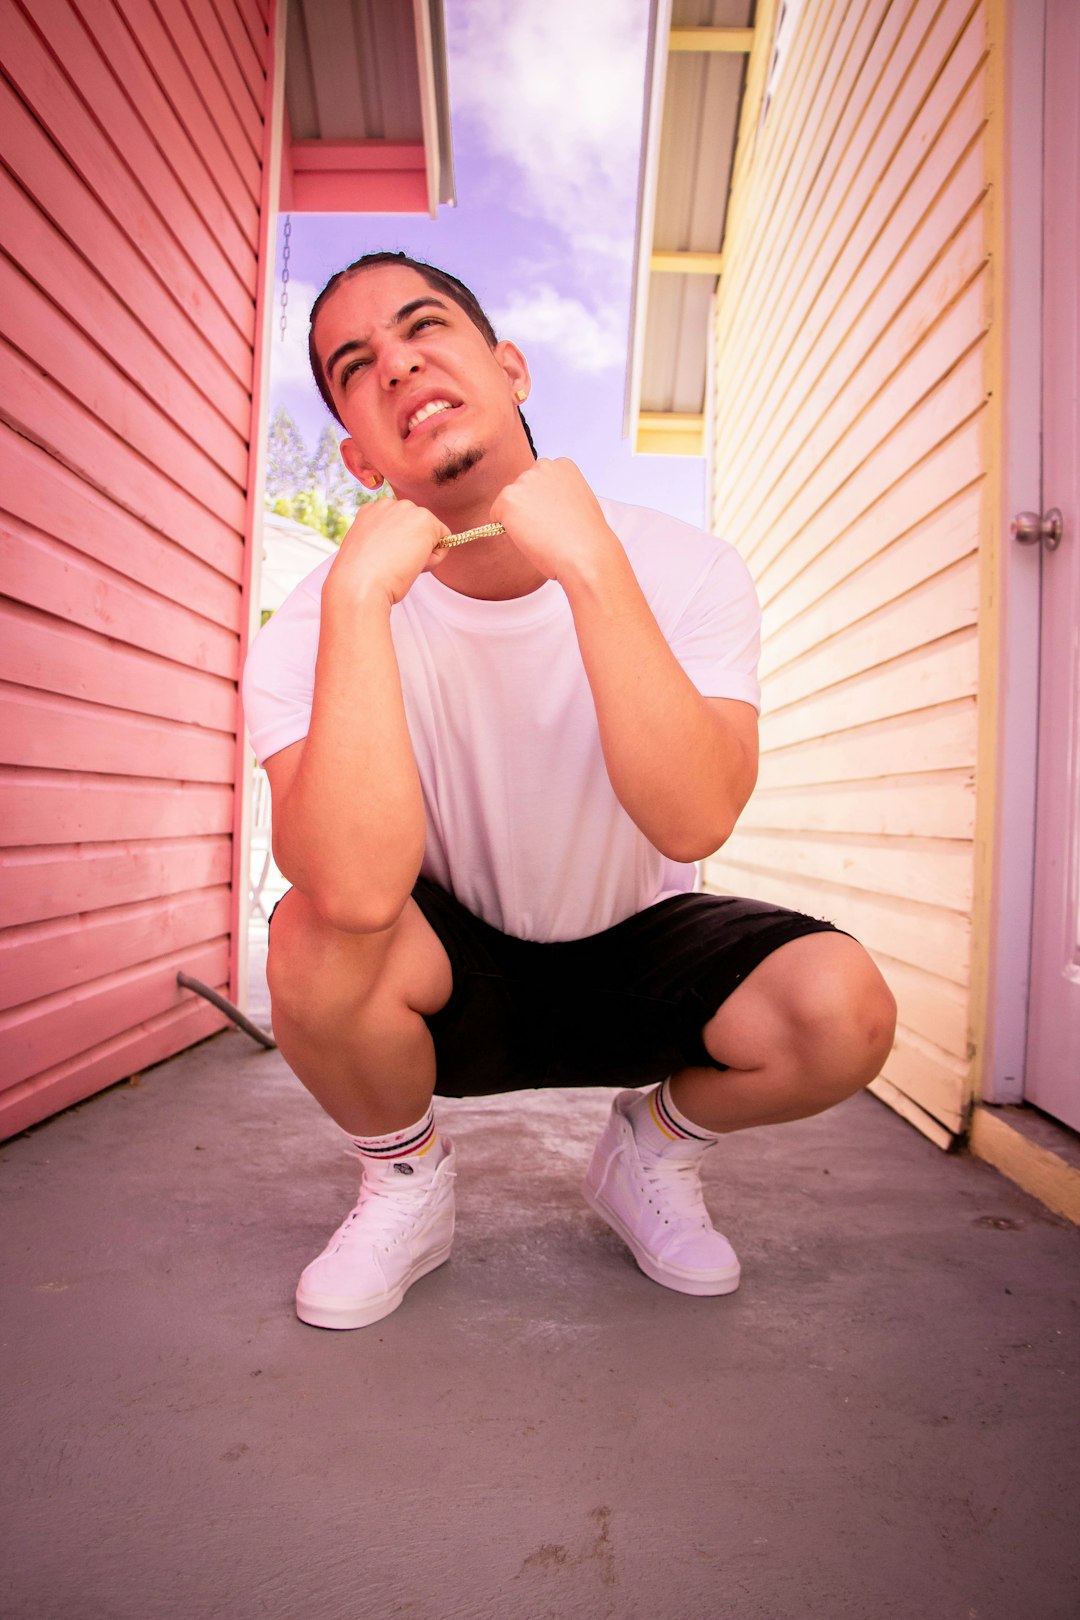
point(1052, 1080)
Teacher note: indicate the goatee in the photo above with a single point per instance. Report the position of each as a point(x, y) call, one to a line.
point(454, 463)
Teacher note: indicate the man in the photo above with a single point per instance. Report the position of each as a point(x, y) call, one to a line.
point(493, 767)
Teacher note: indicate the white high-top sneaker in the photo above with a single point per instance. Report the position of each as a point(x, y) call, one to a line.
point(397, 1233)
point(658, 1211)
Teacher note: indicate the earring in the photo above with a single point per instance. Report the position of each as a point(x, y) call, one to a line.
point(521, 396)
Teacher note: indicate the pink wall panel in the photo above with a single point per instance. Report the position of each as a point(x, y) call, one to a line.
point(47, 338)
point(40, 491)
point(132, 187)
point(124, 1055)
point(37, 650)
point(59, 880)
point(41, 958)
point(44, 173)
point(196, 94)
point(39, 808)
point(47, 92)
point(192, 95)
point(229, 211)
point(100, 312)
point(73, 1021)
point(61, 423)
point(43, 730)
point(100, 87)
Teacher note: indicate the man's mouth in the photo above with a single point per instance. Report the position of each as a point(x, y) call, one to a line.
point(430, 407)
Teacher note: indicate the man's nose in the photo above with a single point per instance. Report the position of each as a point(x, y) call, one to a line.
point(398, 363)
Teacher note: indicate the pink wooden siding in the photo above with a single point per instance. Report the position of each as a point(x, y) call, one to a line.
point(131, 196)
point(851, 461)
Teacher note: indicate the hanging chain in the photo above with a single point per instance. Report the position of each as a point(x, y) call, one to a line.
point(285, 276)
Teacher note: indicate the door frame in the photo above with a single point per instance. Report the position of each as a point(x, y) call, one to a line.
point(1010, 687)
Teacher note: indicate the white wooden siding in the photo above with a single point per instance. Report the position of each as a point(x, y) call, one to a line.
point(850, 356)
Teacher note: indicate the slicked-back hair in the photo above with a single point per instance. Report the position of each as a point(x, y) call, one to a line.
point(438, 280)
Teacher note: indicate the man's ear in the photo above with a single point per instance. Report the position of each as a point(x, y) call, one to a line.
point(361, 469)
point(516, 367)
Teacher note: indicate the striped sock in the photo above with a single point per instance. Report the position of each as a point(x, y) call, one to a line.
point(659, 1127)
point(415, 1150)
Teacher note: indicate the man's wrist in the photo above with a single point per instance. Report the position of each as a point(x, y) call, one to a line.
point(600, 574)
point(351, 595)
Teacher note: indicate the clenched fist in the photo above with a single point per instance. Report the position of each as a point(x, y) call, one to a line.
point(555, 520)
point(388, 546)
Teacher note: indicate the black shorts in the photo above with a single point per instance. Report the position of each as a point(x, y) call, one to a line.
point(623, 1007)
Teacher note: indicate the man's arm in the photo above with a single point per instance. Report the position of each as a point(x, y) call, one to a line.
point(348, 812)
point(682, 765)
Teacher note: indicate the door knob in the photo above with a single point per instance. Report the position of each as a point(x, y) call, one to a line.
point(1029, 527)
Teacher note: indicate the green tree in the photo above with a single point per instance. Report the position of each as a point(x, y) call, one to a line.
point(312, 487)
point(326, 470)
point(287, 456)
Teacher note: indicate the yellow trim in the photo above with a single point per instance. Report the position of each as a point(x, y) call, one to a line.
point(991, 560)
point(1034, 1168)
point(677, 261)
point(735, 40)
point(670, 433)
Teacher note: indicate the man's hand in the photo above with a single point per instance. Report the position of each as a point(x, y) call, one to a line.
point(388, 546)
point(554, 519)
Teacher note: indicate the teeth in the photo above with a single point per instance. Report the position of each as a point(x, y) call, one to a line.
point(430, 409)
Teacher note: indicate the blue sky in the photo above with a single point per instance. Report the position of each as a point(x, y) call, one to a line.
point(547, 106)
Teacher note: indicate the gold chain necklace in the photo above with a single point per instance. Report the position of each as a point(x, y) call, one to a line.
point(466, 535)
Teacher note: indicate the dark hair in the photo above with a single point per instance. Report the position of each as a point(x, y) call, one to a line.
point(439, 280)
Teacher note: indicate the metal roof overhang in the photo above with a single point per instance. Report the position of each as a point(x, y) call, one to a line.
point(698, 51)
point(367, 108)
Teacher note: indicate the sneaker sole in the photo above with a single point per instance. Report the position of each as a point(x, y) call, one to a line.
point(319, 1311)
point(675, 1277)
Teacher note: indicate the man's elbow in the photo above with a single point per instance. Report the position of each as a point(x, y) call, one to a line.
point(350, 908)
point(358, 914)
point(699, 848)
point(698, 842)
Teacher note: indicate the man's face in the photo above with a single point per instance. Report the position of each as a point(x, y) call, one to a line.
point(421, 395)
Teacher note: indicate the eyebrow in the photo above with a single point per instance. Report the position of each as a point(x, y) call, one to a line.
point(365, 343)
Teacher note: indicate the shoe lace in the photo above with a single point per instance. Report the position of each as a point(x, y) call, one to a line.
point(384, 1210)
point(677, 1184)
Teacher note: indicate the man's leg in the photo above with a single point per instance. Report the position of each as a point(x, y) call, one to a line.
point(348, 1013)
point(811, 1025)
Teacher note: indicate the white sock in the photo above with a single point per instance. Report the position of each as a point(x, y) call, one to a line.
point(416, 1150)
point(660, 1129)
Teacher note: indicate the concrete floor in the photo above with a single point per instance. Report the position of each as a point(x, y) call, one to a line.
point(880, 1423)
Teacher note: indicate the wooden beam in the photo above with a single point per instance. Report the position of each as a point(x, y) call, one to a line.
point(684, 262)
point(357, 176)
point(737, 41)
point(1044, 1174)
point(670, 433)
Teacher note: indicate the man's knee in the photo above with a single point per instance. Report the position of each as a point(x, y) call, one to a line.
point(828, 1005)
point(317, 973)
point(311, 968)
point(846, 1012)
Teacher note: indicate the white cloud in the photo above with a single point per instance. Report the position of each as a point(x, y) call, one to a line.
point(557, 90)
point(583, 341)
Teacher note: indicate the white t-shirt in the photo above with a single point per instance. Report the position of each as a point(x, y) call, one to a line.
point(523, 826)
